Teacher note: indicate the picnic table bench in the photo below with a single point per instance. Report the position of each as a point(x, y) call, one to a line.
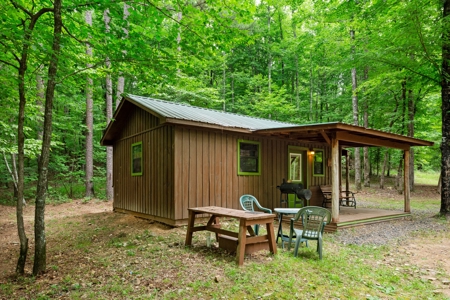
point(245, 241)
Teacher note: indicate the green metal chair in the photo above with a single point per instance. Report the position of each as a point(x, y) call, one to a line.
point(314, 219)
point(247, 204)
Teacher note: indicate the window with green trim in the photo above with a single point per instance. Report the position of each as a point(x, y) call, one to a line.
point(318, 163)
point(249, 157)
point(136, 159)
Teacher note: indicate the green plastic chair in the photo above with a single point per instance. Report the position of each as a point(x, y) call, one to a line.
point(314, 219)
point(247, 204)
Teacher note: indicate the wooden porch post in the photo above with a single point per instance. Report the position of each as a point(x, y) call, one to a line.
point(406, 187)
point(335, 159)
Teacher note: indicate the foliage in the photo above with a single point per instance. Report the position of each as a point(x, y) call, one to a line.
point(288, 60)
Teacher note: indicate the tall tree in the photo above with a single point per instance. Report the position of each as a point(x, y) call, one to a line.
point(121, 78)
point(355, 118)
point(29, 19)
point(366, 125)
point(109, 112)
point(89, 144)
point(40, 261)
point(445, 94)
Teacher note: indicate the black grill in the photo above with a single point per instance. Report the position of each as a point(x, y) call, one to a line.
point(297, 189)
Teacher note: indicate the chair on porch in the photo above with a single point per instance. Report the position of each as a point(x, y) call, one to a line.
point(248, 202)
point(314, 219)
point(346, 198)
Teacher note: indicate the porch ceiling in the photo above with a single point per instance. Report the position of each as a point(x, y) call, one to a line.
point(348, 135)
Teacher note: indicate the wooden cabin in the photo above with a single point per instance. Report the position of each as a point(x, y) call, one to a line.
point(170, 156)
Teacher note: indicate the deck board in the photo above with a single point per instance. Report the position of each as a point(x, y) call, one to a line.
point(350, 217)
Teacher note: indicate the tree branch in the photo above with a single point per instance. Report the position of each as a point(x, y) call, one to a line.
point(407, 68)
point(9, 64)
point(422, 43)
point(13, 54)
point(74, 37)
point(176, 21)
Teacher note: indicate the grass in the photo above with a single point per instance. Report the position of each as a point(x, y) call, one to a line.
point(427, 178)
point(162, 268)
point(115, 256)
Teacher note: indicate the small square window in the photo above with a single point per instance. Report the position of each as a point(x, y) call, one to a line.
point(318, 163)
point(136, 159)
point(249, 158)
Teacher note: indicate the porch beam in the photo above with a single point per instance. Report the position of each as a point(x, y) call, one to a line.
point(325, 137)
point(335, 160)
point(369, 141)
point(406, 186)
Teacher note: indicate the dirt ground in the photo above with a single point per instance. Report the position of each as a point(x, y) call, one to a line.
point(430, 255)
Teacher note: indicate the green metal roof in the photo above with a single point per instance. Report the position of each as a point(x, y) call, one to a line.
point(179, 111)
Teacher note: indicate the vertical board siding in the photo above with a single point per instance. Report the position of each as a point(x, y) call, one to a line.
point(153, 192)
point(206, 170)
point(188, 167)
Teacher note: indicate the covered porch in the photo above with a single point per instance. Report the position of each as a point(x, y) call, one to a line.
point(339, 137)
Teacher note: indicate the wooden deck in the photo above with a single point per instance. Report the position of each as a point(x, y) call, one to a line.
point(350, 217)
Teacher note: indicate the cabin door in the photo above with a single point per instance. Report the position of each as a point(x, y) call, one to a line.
point(297, 170)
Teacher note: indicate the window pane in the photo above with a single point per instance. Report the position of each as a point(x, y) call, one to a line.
point(248, 158)
point(318, 163)
point(136, 158)
point(296, 166)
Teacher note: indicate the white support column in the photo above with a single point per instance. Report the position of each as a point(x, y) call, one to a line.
point(335, 162)
point(406, 189)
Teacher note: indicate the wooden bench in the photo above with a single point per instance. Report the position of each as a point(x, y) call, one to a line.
point(346, 198)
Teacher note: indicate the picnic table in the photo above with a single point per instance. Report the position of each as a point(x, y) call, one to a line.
point(246, 241)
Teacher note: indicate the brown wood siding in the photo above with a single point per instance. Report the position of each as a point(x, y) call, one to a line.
point(152, 193)
point(206, 170)
point(137, 121)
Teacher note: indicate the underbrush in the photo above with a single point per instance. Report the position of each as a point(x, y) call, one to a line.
point(58, 192)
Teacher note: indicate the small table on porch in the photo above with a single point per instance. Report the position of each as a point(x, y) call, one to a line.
point(245, 243)
point(281, 212)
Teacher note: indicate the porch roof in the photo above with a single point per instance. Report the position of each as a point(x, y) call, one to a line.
point(348, 135)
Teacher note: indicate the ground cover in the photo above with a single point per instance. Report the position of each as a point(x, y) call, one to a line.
point(94, 253)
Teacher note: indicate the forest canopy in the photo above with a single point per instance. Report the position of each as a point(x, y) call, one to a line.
point(370, 63)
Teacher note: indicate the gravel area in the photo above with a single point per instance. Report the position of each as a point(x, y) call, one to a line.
point(391, 232)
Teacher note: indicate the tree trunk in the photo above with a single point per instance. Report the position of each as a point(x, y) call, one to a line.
point(366, 125)
point(121, 79)
point(281, 39)
point(89, 171)
point(445, 94)
point(399, 178)
point(439, 185)
point(269, 55)
point(232, 92)
point(40, 261)
point(385, 163)
point(355, 120)
point(224, 81)
point(311, 94)
point(40, 100)
point(20, 267)
point(109, 110)
point(296, 86)
point(411, 114)
point(13, 173)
